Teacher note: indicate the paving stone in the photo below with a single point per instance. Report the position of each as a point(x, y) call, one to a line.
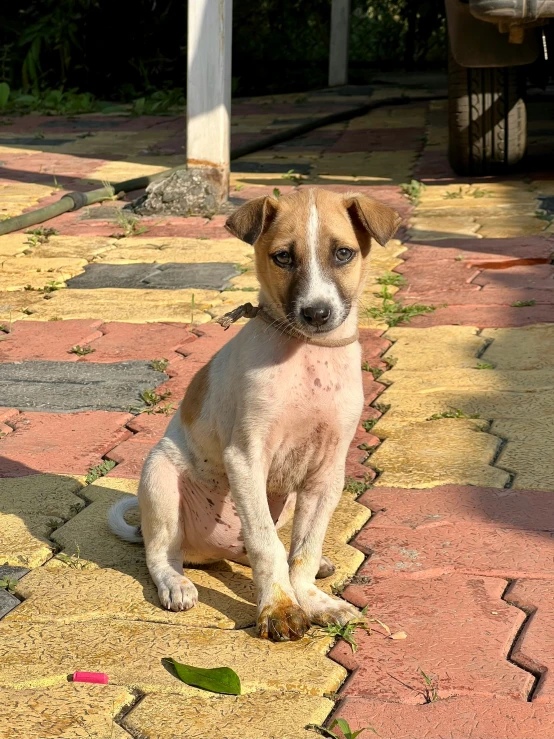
point(20, 272)
point(264, 715)
point(7, 602)
point(535, 646)
point(64, 712)
point(444, 452)
point(530, 247)
point(131, 341)
point(503, 227)
point(470, 717)
point(451, 276)
point(457, 505)
point(486, 316)
point(31, 507)
point(527, 451)
point(207, 276)
point(64, 595)
point(442, 227)
point(520, 349)
point(133, 306)
point(465, 549)
point(90, 248)
point(61, 443)
point(536, 277)
point(476, 630)
point(131, 653)
point(70, 386)
point(434, 348)
point(32, 340)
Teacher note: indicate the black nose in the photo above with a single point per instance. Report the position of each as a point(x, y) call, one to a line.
point(316, 315)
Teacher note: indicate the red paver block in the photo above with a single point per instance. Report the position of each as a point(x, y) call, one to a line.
point(534, 650)
point(456, 505)
point(535, 276)
point(454, 718)
point(459, 632)
point(52, 340)
point(373, 345)
point(526, 247)
point(130, 455)
point(211, 338)
point(485, 298)
point(472, 550)
point(443, 277)
point(485, 317)
point(119, 342)
point(379, 139)
point(64, 443)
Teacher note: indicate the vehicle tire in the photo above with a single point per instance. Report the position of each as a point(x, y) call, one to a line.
point(487, 120)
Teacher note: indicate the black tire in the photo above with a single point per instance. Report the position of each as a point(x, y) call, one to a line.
point(487, 120)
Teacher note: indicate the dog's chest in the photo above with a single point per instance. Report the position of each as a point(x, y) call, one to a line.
point(318, 400)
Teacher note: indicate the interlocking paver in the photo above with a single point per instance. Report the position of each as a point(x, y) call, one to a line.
point(470, 717)
point(77, 386)
point(459, 631)
point(262, 715)
point(64, 712)
point(62, 443)
point(124, 341)
point(29, 341)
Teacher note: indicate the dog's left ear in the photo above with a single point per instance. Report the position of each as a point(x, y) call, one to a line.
point(252, 219)
point(372, 218)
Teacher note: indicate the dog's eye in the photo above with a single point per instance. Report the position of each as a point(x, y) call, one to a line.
point(344, 255)
point(282, 258)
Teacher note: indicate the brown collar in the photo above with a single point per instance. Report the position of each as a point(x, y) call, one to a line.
point(250, 311)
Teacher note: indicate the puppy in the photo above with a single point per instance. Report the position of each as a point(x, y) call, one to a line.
point(264, 427)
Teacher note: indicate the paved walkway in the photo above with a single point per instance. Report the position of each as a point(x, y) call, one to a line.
point(453, 458)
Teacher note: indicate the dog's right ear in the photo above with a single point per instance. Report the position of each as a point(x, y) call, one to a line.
point(252, 219)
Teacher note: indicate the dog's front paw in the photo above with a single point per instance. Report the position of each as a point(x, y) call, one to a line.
point(177, 593)
point(322, 609)
point(282, 622)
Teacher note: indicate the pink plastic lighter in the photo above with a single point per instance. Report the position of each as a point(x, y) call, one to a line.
point(91, 677)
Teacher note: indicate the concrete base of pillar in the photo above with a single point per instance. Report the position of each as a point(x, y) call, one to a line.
point(196, 191)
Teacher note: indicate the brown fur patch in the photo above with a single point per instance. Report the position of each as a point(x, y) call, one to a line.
point(282, 620)
point(191, 407)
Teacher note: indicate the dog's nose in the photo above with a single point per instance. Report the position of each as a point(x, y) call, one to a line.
point(317, 314)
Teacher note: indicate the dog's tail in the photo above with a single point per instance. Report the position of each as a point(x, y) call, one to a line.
point(118, 524)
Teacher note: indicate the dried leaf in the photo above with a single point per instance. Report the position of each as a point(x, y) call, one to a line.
point(399, 635)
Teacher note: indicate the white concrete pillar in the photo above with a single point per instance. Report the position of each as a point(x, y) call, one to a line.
point(338, 46)
point(209, 87)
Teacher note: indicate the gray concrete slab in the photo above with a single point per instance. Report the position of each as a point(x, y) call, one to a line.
point(170, 276)
point(76, 386)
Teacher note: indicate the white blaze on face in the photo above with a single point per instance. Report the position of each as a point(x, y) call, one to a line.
point(319, 288)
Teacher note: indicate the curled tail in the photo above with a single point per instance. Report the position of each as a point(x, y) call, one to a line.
point(118, 524)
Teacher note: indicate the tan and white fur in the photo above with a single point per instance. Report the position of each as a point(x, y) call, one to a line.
point(264, 427)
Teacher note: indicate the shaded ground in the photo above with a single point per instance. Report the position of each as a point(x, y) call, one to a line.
point(456, 436)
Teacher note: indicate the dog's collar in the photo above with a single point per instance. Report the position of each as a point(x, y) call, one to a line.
point(251, 311)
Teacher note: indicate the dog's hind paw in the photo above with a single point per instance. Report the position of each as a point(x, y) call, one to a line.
point(177, 593)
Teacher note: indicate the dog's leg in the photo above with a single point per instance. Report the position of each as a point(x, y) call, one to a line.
point(279, 615)
point(314, 508)
point(159, 500)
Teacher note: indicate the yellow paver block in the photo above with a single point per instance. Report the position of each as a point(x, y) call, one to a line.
point(263, 715)
point(444, 452)
point(31, 507)
point(133, 306)
point(492, 394)
point(17, 273)
point(161, 250)
point(528, 452)
point(526, 348)
point(390, 118)
point(384, 167)
point(438, 347)
point(120, 171)
point(64, 595)
point(131, 653)
point(64, 712)
point(89, 248)
point(503, 227)
point(247, 282)
point(13, 244)
point(14, 305)
point(442, 227)
point(479, 195)
point(17, 197)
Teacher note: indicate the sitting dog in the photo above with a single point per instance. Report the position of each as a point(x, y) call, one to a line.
point(265, 426)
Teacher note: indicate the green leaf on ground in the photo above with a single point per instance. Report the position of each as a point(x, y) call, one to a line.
point(216, 680)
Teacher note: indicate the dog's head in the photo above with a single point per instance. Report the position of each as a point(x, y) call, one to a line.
point(312, 251)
